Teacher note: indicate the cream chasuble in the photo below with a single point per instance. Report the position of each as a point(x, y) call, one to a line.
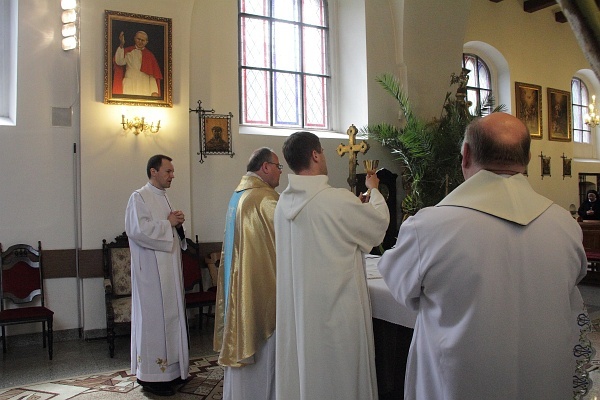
point(159, 345)
point(492, 271)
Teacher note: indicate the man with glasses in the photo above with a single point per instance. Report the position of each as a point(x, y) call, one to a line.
point(245, 310)
point(324, 327)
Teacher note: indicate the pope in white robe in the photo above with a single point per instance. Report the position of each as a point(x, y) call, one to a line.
point(492, 271)
point(324, 328)
point(159, 342)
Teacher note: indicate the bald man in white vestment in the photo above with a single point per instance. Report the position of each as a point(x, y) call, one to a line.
point(492, 271)
point(159, 343)
point(324, 330)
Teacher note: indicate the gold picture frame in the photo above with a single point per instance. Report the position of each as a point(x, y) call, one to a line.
point(152, 84)
point(528, 100)
point(559, 115)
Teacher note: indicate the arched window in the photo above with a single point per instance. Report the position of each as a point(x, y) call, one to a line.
point(479, 86)
point(284, 63)
point(582, 133)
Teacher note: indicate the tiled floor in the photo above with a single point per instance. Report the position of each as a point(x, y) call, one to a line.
point(26, 364)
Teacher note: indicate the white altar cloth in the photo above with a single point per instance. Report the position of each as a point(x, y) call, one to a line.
point(383, 304)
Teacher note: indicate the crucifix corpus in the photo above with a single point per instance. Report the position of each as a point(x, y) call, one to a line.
point(352, 149)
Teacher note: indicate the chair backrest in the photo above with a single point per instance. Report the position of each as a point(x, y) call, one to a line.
point(117, 264)
point(22, 276)
point(213, 260)
point(190, 259)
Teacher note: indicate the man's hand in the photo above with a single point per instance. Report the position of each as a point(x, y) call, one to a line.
point(372, 181)
point(176, 218)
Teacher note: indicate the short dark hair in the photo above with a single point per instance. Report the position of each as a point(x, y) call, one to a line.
point(258, 158)
point(155, 162)
point(487, 150)
point(298, 148)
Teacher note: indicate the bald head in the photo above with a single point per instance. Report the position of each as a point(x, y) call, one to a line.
point(498, 142)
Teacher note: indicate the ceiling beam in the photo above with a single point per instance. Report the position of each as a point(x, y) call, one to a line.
point(537, 5)
point(499, 1)
point(560, 17)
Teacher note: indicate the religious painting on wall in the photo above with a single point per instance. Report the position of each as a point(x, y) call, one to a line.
point(528, 99)
point(216, 134)
point(559, 115)
point(545, 165)
point(137, 60)
point(566, 166)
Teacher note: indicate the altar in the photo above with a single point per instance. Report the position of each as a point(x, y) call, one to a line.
point(392, 328)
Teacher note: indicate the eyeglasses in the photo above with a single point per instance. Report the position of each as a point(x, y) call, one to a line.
point(279, 166)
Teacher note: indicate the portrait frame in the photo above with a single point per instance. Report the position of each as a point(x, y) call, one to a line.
point(559, 115)
point(545, 165)
point(215, 134)
point(528, 101)
point(566, 161)
point(159, 32)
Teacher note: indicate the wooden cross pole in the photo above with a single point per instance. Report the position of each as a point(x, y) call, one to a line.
point(352, 149)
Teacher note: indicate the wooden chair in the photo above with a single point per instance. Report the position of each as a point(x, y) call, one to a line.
point(196, 296)
point(21, 281)
point(117, 287)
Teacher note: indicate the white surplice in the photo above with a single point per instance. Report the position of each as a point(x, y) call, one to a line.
point(492, 271)
point(324, 329)
point(159, 344)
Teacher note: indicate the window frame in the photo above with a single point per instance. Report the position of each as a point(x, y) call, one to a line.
point(8, 63)
point(478, 89)
point(583, 108)
point(270, 127)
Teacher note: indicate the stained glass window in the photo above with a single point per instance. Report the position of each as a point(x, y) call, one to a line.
point(284, 63)
point(580, 99)
point(479, 87)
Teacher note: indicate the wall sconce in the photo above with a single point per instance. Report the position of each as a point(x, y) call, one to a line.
point(592, 119)
point(138, 125)
point(69, 20)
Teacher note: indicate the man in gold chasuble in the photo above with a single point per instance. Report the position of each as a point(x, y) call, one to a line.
point(245, 310)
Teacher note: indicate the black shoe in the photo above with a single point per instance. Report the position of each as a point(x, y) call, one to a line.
point(157, 388)
point(178, 381)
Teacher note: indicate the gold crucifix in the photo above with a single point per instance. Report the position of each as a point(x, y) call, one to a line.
point(352, 149)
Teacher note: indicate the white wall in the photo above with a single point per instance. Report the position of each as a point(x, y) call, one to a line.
point(419, 41)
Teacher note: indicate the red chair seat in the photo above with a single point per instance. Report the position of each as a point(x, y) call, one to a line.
point(25, 314)
point(199, 298)
point(592, 255)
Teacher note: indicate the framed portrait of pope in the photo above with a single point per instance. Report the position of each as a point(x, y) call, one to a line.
point(137, 60)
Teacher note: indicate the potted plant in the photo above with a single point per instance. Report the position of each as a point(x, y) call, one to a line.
point(429, 151)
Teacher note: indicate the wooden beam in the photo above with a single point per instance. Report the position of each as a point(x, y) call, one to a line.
point(537, 5)
point(499, 1)
point(560, 17)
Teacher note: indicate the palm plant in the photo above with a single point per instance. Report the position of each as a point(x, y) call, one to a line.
point(428, 151)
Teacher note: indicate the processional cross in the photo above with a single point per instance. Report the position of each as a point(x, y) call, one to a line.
point(352, 149)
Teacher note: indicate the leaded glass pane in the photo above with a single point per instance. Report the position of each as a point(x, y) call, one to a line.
point(587, 137)
point(313, 12)
point(314, 50)
point(253, 51)
point(257, 7)
point(576, 91)
point(578, 116)
point(286, 10)
point(255, 97)
point(315, 106)
point(286, 47)
point(470, 65)
point(484, 76)
point(286, 94)
point(585, 100)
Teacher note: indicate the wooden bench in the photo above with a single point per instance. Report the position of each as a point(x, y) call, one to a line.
point(591, 244)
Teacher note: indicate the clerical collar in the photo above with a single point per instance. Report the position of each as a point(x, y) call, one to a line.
point(254, 174)
point(508, 172)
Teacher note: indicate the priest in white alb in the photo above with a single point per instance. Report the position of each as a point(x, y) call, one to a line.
point(492, 271)
point(324, 329)
point(159, 342)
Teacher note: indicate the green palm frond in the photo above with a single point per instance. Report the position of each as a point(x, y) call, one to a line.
point(429, 151)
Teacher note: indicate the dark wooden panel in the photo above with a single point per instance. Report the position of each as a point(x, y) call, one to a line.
point(90, 264)
point(537, 5)
point(59, 263)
